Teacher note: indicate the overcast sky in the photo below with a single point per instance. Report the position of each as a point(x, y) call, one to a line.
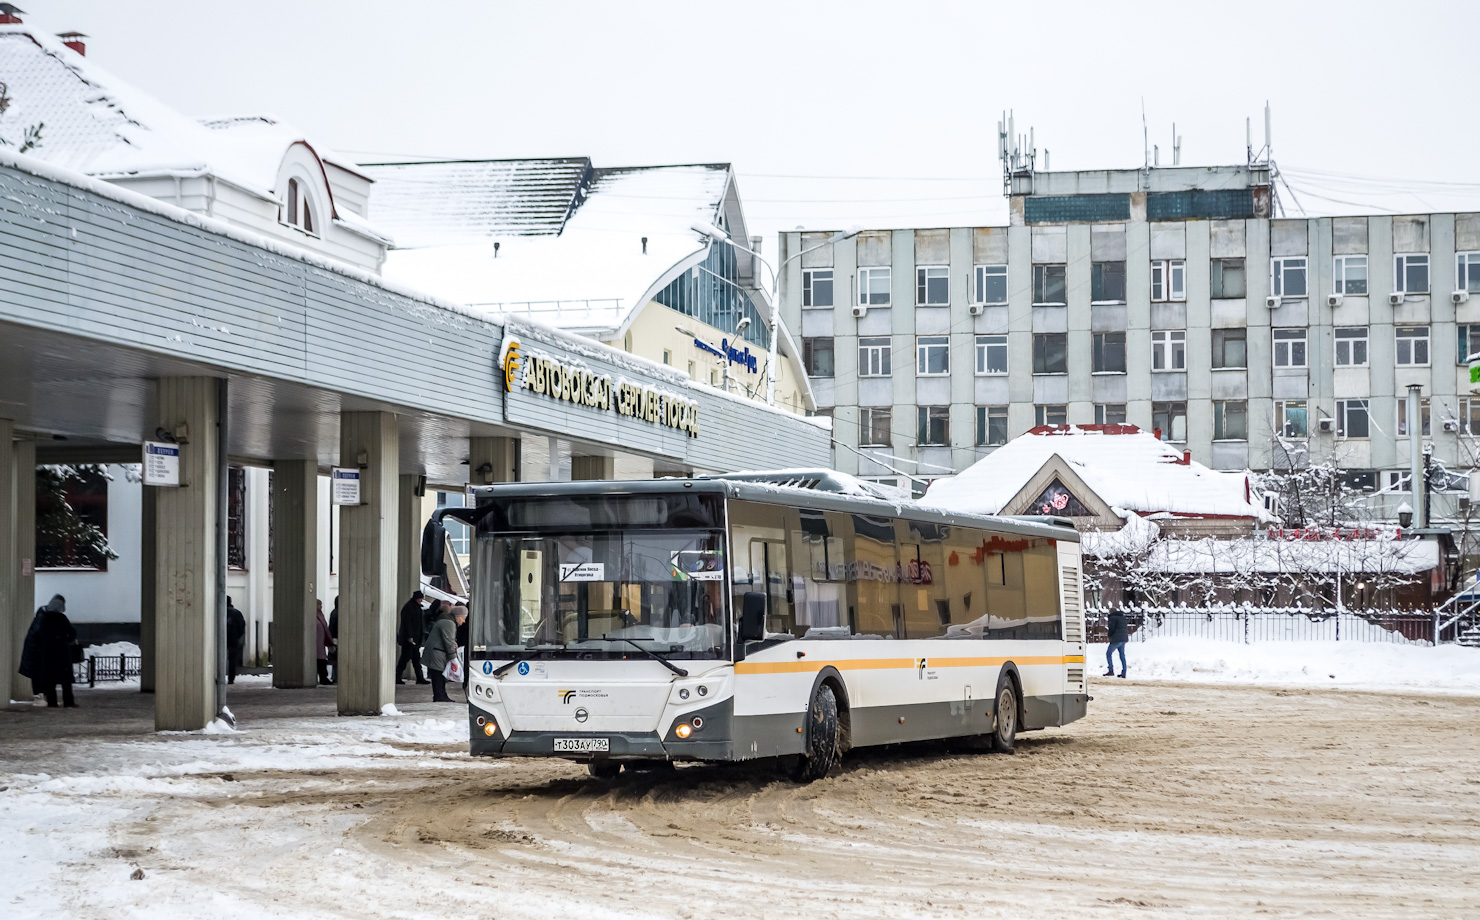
point(1370, 100)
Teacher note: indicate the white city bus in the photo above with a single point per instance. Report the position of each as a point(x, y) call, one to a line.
point(718, 619)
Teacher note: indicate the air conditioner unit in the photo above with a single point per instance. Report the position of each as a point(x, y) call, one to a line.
point(1327, 424)
point(860, 310)
point(1334, 300)
point(1451, 425)
point(1460, 297)
point(976, 309)
point(1395, 299)
point(1272, 302)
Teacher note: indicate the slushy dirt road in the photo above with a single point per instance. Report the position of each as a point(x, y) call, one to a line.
point(1168, 801)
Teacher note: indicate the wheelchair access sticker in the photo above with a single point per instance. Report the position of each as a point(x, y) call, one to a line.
point(523, 668)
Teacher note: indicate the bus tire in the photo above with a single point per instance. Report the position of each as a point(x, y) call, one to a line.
point(1005, 719)
point(822, 737)
point(604, 769)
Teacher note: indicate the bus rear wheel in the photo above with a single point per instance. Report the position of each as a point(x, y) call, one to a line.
point(822, 737)
point(604, 769)
point(1004, 731)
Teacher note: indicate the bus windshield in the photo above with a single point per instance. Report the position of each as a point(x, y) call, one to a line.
point(592, 594)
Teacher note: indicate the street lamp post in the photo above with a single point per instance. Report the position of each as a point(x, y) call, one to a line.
point(717, 235)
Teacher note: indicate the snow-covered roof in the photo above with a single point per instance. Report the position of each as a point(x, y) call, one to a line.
point(1126, 467)
point(1248, 556)
point(100, 125)
point(588, 276)
point(475, 201)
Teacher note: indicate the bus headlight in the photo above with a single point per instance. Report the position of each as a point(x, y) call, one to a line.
point(684, 730)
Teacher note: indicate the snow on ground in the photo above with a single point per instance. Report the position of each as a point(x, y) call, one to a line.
point(111, 650)
point(1344, 665)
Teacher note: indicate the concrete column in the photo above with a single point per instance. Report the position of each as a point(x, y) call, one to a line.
point(500, 454)
point(25, 559)
point(10, 650)
point(593, 468)
point(408, 550)
point(186, 560)
point(368, 541)
point(148, 596)
point(295, 522)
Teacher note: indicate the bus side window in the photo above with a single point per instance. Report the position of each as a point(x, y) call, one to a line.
point(873, 567)
point(1041, 584)
point(923, 564)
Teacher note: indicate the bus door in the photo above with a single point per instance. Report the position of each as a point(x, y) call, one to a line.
point(769, 574)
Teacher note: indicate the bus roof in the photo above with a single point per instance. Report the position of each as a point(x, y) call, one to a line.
point(1055, 528)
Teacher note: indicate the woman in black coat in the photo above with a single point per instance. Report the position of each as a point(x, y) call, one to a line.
point(53, 652)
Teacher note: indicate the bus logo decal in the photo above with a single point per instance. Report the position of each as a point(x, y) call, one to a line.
point(566, 696)
point(920, 664)
point(582, 715)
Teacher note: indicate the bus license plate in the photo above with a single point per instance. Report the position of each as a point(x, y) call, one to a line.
point(583, 745)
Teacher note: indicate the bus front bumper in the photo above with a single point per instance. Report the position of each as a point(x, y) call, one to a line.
point(714, 740)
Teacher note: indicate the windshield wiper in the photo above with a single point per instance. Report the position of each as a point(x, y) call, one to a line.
point(498, 671)
point(650, 653)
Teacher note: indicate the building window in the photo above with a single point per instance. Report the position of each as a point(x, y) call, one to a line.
point(935, 426)
point(873, 427)
point(1230, 348)
point(693, 371)
point(991, 426)
point(873, 286)
point(1289, 348)
point(1287, 277)
point(817, 356)
point(873, 356)
point(1350, 275)
point(1423, 413)
point(1107, 282)
point(1412, 346)
point(1468, 342)
point(1227, 278)
point(1231, 420)
point(1051, 415)
point(1469, 416)
point(1169, 279)
point(1289, 418)
point(236, 518)
point(1352, 418)
point(1169, 350)
point(667, 357)
point(932, 286)
point(460, 533)
point(1110, 413)
point(991, 285)
point(817, 288)
point(72, 517)
point(932, 355)
point(300, 215)
point(1170, 418)
point(1411, 273)
point(1050, 353)
point(1351, 346)
point(991, 355)
point(1109, 352)
point(1048, 285)
point(1467, 266)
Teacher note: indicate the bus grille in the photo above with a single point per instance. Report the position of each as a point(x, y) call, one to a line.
point(1073, 609)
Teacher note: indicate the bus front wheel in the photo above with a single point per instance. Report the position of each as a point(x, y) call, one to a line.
point(1004, 732)
point(822, 737)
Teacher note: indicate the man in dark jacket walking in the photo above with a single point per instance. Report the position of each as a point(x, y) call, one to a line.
point(236, 640)
point(409, 635)
point(54, 652)
point(1119, 635)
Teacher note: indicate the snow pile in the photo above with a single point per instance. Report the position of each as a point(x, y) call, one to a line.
point(1134, 538)
point(111, 650)
point(1345, 665)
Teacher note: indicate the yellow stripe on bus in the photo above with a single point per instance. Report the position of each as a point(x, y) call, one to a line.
point(881, 664)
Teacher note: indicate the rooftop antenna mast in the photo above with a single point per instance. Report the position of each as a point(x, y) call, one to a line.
point(1017, 159)
point(1145, 135)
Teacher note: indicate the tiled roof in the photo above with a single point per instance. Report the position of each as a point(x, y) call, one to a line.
point(469, 201)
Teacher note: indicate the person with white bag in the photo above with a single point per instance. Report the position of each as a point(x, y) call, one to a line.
point(440, 652)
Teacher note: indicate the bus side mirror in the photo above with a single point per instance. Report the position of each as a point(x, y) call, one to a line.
point(753, 617)
point(433, 546)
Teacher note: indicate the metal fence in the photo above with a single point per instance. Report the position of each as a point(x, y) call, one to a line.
point(1247, 625)
point(106, 668)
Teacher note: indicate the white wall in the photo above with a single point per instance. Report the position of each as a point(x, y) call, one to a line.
point(111, 596)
